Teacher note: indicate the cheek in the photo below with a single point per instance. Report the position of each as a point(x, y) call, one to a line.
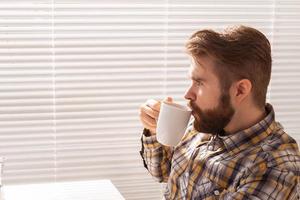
point(206, 99)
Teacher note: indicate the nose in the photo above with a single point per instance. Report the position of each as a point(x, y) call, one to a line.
point(190, 94)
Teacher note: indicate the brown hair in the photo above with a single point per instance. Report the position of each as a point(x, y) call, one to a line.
point(239, 53)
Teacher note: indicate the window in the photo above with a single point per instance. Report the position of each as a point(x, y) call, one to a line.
point(73, 74)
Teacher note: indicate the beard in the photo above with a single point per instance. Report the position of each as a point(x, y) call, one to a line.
point(214, 120)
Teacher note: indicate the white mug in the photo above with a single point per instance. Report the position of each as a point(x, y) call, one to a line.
point(172, 123)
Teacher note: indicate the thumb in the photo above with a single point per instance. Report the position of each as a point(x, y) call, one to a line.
point(168, 99)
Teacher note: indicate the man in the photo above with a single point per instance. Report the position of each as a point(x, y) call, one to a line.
point(234, 149)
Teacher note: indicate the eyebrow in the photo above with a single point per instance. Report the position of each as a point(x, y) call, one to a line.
point(197, 79)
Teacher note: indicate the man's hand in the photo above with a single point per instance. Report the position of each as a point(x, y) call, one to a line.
point(149, 113)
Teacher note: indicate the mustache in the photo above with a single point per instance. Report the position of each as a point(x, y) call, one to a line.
point(193, 105)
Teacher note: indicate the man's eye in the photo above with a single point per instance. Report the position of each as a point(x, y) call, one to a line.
point(198, 83)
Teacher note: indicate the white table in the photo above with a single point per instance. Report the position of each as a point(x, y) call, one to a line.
point(77, 190)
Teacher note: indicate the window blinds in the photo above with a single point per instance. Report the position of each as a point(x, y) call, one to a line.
point(285, 84)
point(108, 59)
point(26, 92)
point(73, 74)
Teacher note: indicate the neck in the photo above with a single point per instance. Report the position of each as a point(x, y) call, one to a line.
point(245, 118)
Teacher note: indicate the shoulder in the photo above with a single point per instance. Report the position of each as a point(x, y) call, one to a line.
point(279, 150)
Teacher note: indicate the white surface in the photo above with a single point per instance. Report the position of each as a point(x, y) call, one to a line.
point(79, 190)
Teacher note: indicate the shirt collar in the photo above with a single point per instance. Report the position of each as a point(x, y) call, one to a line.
point(251, 136)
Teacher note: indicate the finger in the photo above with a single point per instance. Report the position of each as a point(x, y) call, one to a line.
point(168, 99)
point(149, 126)
point(146, 118)
point(155, 105)
point(149, 111)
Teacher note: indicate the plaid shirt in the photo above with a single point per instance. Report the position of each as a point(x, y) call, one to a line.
point(261, 162)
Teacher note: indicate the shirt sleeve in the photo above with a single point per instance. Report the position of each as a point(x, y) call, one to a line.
point(156, 157)
point(265, 183)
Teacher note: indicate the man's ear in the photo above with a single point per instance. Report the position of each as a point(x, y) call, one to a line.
point(241, 90)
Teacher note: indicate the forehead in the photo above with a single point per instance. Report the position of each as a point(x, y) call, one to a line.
point(202, 68)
